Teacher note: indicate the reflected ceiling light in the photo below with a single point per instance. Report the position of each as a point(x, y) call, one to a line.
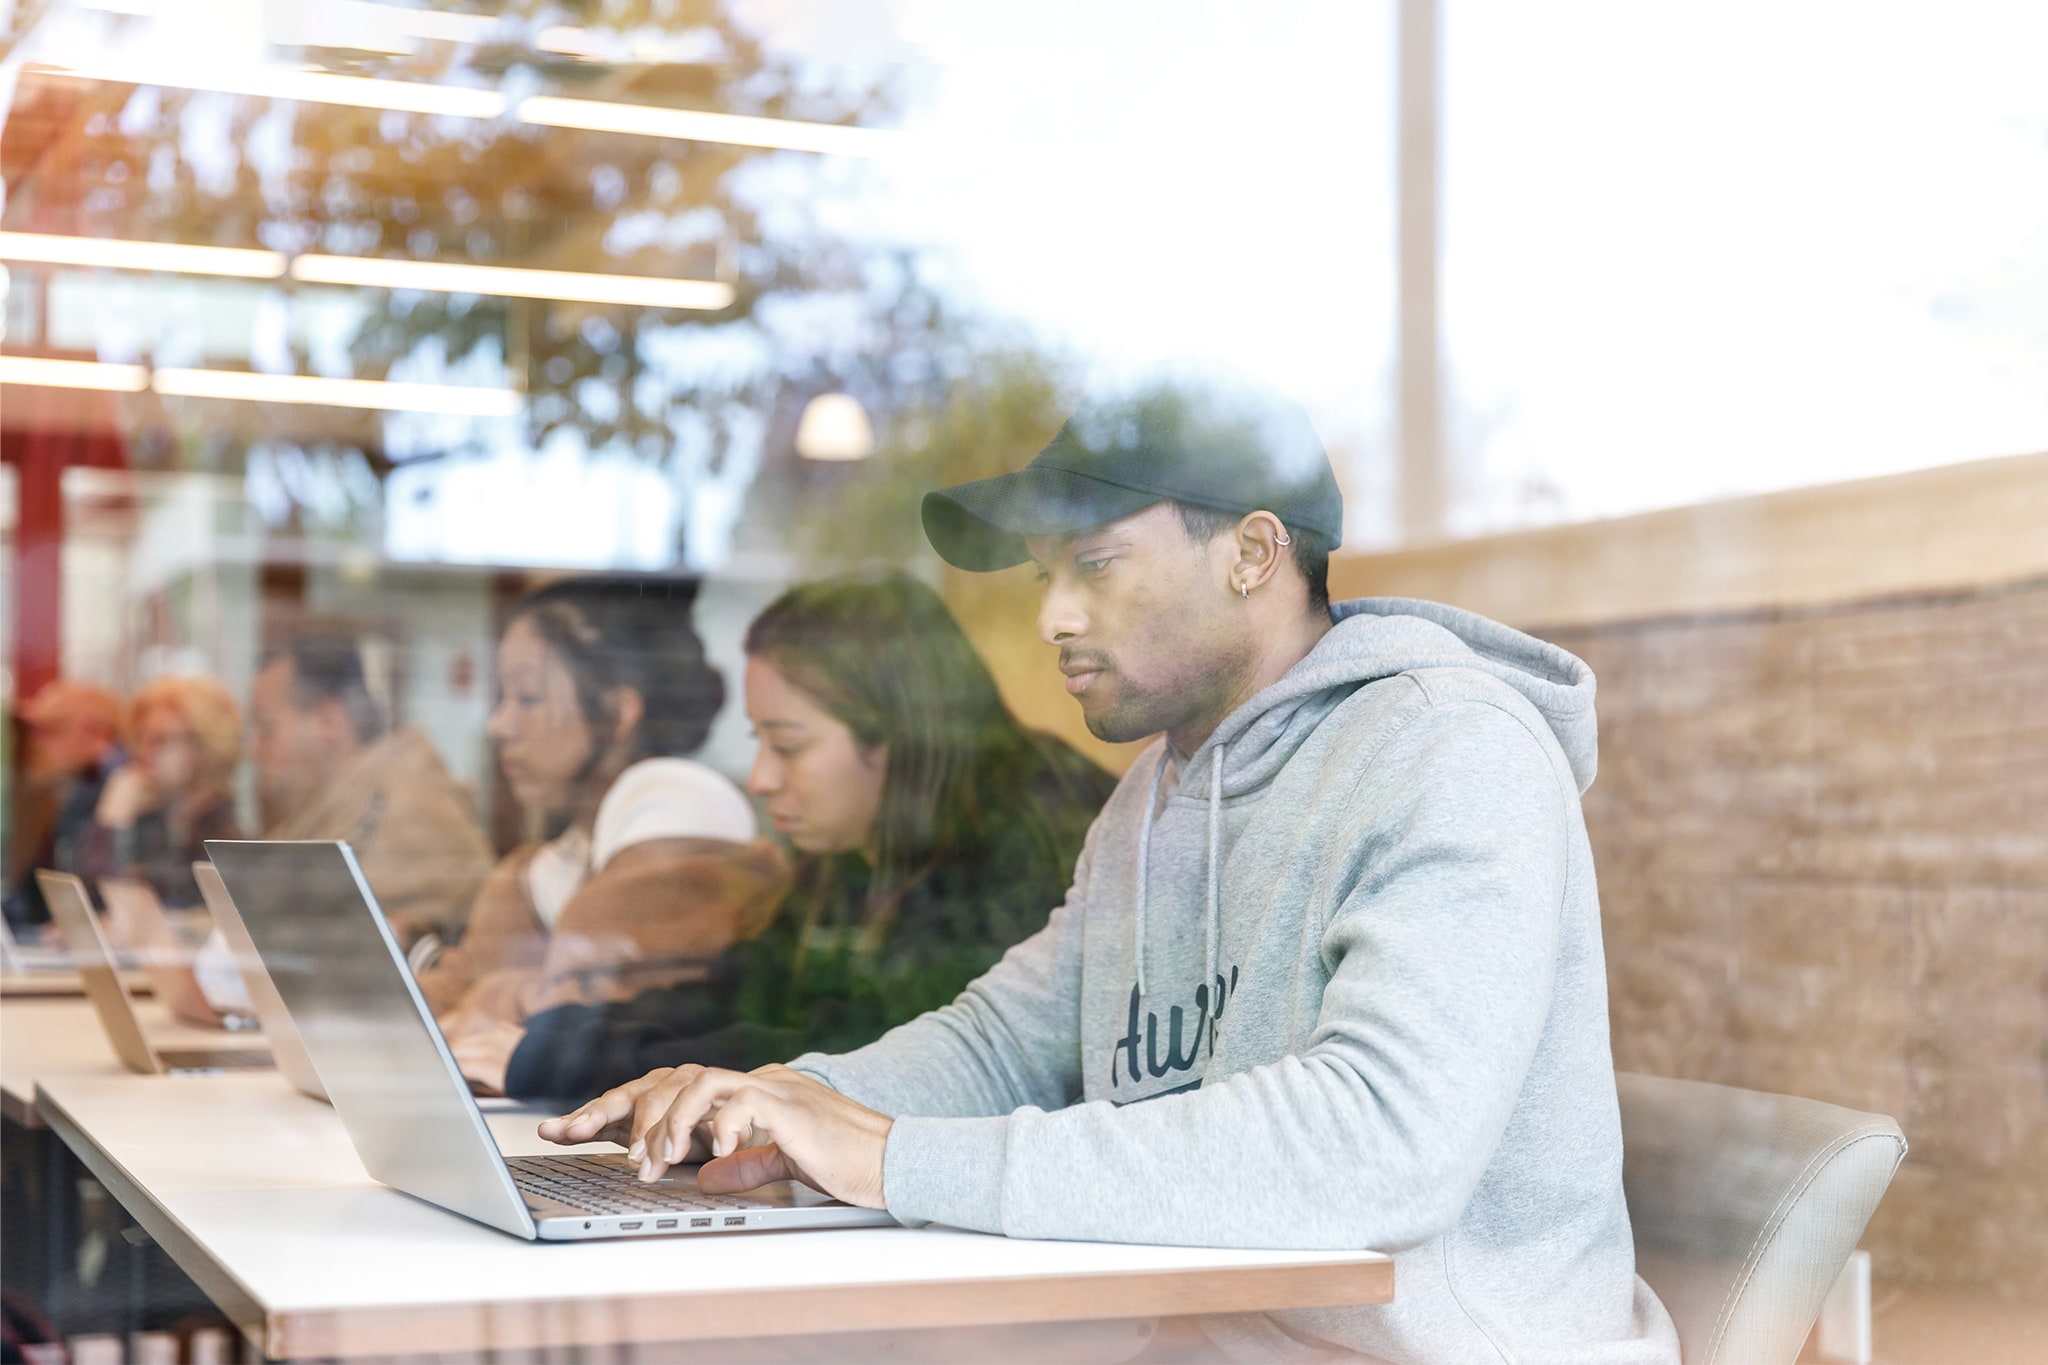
point(835, 427)
point(434, 25)
point(691, 47)
point(72, 374)
point(568, 42)
point(459, 400)
point(312, 87)
point(51, 249)
point(701, 125)
point(446, 277)
point(445, 26)
point(551, 111)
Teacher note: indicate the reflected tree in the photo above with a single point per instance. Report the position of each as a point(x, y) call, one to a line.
point(818, 301)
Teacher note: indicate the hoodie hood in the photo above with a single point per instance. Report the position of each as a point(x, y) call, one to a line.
point(1379, 637)
point(1372, 638)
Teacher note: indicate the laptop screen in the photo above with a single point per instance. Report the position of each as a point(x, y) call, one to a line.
point(379, 1053)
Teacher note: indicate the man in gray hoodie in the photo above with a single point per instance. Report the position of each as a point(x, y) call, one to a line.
point(1330, 973)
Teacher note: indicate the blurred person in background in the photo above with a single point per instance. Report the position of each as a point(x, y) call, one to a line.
point(328, 766)
point(158, 809)
point(603, 691)
point(932, 830)
point(71, 745)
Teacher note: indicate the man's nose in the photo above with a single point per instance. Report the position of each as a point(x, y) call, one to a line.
point(1060, 619)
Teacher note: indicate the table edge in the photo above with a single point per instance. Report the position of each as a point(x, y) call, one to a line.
point(285, 1333)
point(813, 1310)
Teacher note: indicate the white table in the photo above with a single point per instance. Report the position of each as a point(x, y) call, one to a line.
point(255, 1191)
point(49, 1035)
point(41, 984)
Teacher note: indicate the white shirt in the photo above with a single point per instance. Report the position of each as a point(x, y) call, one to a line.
point(656, 798)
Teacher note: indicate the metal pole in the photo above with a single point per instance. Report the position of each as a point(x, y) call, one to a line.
point(1418, 354)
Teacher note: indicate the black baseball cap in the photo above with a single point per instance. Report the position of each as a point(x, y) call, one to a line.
point(1228, 451)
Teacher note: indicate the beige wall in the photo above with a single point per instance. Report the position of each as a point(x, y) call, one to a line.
point(1822, 842)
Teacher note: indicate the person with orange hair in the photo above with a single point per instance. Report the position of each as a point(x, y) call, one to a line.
point(70, 746)
point(184, 738)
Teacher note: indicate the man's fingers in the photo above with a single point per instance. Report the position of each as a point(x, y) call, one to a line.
point(587, 1124)
point(733, 1126)
point(583, 1125)
point(656, 1097)
point(667, 1141)
point(747, 1169)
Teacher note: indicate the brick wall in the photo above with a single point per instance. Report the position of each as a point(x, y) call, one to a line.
point(1822, 839)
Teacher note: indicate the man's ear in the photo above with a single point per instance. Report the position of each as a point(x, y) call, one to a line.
point(627, 708)
point(1259, 542)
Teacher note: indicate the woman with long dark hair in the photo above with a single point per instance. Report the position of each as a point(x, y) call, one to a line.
point(933, 832)
point(654, 864)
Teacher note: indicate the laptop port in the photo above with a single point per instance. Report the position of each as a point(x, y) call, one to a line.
point(662, 1224)
point(700, 1222)
point(736, 1222)
point(633, 1226)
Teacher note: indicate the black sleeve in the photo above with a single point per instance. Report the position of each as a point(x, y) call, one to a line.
point(573, 1052)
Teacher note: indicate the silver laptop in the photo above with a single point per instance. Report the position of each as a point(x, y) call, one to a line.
point(278, 1029)
point(407, 1108)
point(16, 956)
point(72, 910)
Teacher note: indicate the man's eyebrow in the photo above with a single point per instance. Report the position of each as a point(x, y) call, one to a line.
point(1105, 536)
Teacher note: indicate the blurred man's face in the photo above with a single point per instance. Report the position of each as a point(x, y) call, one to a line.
point(1142, 616)
point(61, 742)
point(295, 748)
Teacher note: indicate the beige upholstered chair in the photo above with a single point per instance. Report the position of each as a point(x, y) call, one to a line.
point(1746, 1206)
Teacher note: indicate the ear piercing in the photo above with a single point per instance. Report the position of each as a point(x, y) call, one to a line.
point(1243, 591)
point(1282, 539)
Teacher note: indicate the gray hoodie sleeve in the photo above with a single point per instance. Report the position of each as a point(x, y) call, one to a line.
point(1012, 1038)
point(1445, 873)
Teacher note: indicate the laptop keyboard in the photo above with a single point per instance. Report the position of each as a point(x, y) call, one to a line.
point(596, 1184)
point(227, 1059)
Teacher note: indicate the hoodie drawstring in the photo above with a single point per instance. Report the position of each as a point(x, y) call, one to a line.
point(1213, 925)
point(1144, 862)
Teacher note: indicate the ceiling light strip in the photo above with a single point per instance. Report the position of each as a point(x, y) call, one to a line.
point(385, 395)
point(703, 125)
point(452, 399)
point(369, 272)
point(35, 371)
point(552, 111)
point(572, 286)
point(311, 87)
point(52, 249)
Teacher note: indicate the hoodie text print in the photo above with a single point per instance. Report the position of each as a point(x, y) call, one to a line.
point(1387, 844)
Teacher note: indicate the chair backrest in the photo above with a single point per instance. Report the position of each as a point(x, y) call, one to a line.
point(1745, 1207)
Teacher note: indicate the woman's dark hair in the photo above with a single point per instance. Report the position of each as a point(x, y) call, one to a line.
point(884, 657)
point(632, 632)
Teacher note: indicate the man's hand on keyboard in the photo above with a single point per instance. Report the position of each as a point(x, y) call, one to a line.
point(771, 1124)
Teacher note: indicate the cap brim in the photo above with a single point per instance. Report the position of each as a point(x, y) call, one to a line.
point(982, 526)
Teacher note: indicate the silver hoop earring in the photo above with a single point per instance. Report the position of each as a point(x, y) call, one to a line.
point(1283, 539)
point(1243, 591)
